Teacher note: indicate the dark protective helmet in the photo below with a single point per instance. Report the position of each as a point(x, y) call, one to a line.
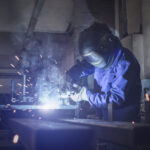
point(97, 45)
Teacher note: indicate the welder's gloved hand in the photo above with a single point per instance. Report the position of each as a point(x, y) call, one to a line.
point(81, 95)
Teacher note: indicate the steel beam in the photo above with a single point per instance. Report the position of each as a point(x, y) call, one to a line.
point(35, 14)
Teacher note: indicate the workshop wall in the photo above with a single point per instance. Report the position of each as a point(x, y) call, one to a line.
point(146, 36)
point(138, 31)
point(128, 15)
point(102, 10)
point(55, 15)
point(134, 19)
point(137, 39)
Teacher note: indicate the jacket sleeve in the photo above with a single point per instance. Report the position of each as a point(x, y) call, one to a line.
point(81, 69)
point(124, 79)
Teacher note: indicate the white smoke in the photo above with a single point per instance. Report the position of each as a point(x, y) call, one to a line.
point(41, 59)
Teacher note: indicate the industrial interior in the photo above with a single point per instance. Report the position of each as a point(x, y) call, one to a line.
point(49, 71)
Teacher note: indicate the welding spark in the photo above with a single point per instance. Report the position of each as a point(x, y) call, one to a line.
point(40, 118)
point(14, 111)
point(65, 95)
point(51, 105)
point(147, 97)
point(15, 139)
point(17, 58)
point(12, 65)
point(27, 70)
point(19, 84)
point(28, 80)
point(49, 102)
point(19, 73)
point(41, 56)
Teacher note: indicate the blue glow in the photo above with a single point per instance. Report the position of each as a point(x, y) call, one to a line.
point(50, 102)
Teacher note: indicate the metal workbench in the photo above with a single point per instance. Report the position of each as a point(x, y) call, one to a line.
point(50, 135)
point(128, 134)
point(35, 133)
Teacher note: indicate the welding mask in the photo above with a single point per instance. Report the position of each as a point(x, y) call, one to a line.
point(97, 60)
point(97, 45)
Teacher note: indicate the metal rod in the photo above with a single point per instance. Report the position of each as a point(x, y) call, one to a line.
point(12, 89)
point(24, 88)
point(110, 112)
point(34, 18)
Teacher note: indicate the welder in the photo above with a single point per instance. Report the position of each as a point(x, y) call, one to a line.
point(116, 72)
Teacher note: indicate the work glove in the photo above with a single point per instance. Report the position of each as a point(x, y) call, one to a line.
point(81, 95)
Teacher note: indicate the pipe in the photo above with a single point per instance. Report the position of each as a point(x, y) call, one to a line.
point(35, 14)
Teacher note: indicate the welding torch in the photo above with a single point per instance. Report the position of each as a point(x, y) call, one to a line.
point(76, 93)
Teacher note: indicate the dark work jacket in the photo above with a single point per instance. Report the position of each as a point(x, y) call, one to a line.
point(119, 84)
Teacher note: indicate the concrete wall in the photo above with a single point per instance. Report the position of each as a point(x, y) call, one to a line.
point(102, 10)
point(55, 16)
point(15, 15)
point(135, 40)
point(138, 51)
point(127, 42)
point(134, 19)
point(146, 35)
point(138, 14)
